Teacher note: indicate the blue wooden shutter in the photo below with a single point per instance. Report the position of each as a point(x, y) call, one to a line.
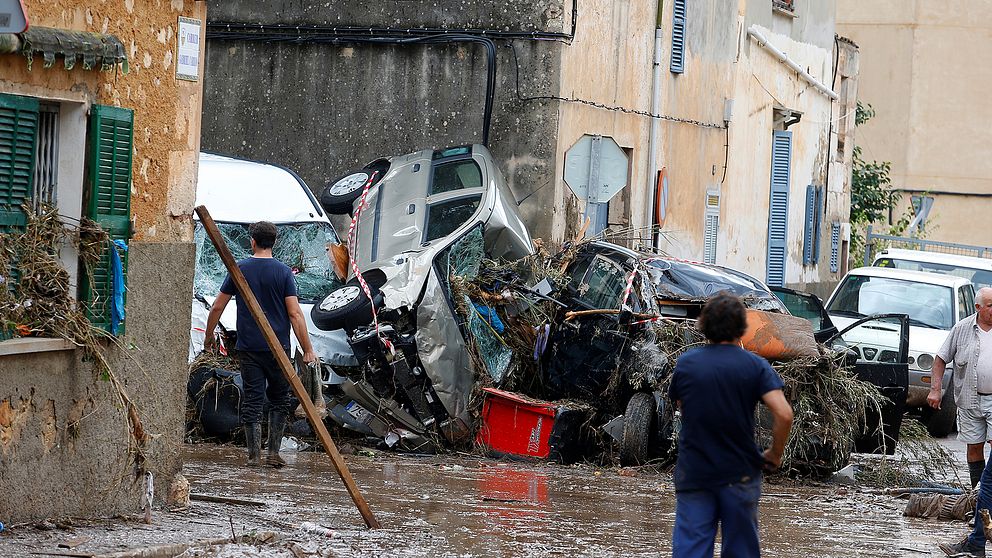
point(678, 37)
point(834, 247)
point(109, 203)
point(18, 142)
point(810, 225)
point(778, 209)
point(818, 224)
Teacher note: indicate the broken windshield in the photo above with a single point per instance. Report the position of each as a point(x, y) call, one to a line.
point(301, 246)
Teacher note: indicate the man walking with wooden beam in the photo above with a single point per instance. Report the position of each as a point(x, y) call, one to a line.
point(273, 284)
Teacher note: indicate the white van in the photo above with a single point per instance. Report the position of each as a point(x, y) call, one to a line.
point(976, 270)
point(237, 193)
point(934, 302)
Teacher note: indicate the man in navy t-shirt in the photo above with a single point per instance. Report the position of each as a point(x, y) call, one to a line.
point(274, 286)
point(718, 472)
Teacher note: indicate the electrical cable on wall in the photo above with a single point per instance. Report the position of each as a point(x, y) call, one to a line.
point(604, 106)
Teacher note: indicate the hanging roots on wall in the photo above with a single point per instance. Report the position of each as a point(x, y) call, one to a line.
point(36, 299)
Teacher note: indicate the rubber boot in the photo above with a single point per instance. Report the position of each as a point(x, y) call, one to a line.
point(975, 469)
point(253, 436)
point(277, 426)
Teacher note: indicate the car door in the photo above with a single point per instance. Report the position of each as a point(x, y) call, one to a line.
point(881, 346)
point(809, 306)
point(584, 353)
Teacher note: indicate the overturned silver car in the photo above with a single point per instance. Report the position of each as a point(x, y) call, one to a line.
point(418, 220)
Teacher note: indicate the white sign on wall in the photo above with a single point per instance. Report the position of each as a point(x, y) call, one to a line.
point(188, 50)
point(13, 18)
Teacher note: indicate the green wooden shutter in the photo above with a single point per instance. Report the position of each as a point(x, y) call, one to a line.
point(108, 183)
point(18, 142)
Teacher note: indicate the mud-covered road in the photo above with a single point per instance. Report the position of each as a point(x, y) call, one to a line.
point(467, 506)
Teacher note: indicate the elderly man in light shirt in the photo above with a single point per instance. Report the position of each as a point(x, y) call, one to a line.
point(969, 346)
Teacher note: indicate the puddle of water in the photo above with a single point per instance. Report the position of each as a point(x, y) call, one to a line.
point(445, 506)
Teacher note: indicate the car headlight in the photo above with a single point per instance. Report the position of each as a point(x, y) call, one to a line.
point(924, 361)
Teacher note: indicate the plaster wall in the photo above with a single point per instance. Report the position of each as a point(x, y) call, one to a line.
point(920, 76)
point(763, 83)
point(608, 63)
point(63, 441)
point(723, 63)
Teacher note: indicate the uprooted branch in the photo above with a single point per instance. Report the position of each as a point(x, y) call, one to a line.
point(36, 299)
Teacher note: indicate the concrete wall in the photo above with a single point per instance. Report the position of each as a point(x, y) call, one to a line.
point(325, 109)
point(63, 440)
point(921, 71)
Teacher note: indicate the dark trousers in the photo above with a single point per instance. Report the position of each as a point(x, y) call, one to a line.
point(977, 538)
point(698, 512)
point(261, 378)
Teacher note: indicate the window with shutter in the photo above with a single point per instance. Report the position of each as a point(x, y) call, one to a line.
point(818, 223)
point(678, 37)
point(814, 220)
point(834, 247)
point(18, 142)
point(778, 208)
point(711, 227)
point(108, 181)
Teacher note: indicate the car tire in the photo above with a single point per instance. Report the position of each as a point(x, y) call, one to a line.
point(339, 196)
point(346, 308)
point(638, 427)
point(942, 423)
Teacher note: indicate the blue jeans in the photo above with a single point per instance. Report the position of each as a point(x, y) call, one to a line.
point(976, 539)
point(261, 378)
point(734, 507)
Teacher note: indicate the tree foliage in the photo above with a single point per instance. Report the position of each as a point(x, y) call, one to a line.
point(871, 186)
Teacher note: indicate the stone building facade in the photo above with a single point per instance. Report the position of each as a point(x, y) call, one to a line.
point(90, 96)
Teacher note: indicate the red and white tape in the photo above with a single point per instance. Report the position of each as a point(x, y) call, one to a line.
point(353, 253)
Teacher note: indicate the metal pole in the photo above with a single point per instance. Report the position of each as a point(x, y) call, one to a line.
point(247, 297)
point(867, 258)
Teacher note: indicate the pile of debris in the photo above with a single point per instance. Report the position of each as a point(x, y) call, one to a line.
point(512, 313)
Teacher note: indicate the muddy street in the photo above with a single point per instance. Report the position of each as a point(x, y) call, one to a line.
point(471, 506)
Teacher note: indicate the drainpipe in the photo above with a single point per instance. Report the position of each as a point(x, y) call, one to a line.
point(9, 43)
point(782, 57)
point(652, 173)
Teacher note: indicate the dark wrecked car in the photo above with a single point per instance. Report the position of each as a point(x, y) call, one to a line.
point(418, 220)
point(610, 354)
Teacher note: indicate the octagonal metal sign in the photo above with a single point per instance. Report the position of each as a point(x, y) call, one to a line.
point(13, 17)
point(596, 168)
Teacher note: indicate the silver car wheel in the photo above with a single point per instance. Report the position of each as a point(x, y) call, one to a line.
point(349, 184)
point(340, 298)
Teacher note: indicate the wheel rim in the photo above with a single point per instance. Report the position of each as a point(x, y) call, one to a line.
point(349, 184)
point(340, 298)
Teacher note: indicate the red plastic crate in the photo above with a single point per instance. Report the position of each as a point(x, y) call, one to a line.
point(515, 425)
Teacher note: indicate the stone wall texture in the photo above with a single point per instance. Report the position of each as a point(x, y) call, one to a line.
point(63, 439)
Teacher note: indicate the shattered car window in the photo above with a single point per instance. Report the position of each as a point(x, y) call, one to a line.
point(462, 259)
point(301, 246)
point(443, 218)
point(456, 176)
point(603, 284)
